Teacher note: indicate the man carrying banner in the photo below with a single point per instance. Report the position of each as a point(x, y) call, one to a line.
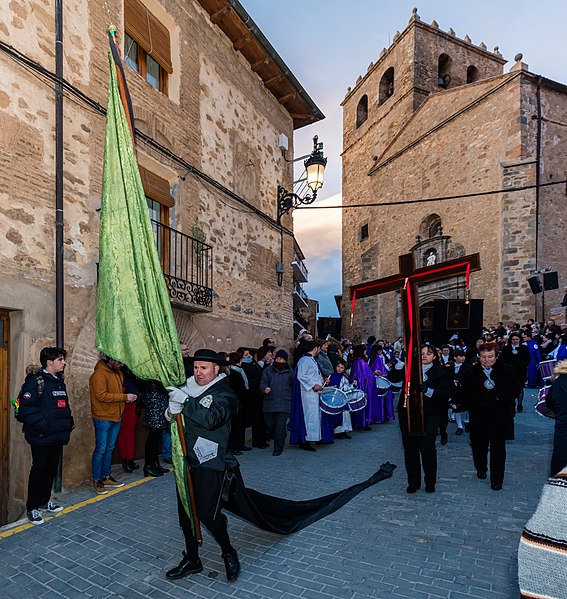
point(208, 404)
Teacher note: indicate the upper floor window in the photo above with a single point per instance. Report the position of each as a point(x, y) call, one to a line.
point(386, 88)
point(362, 110)
point(444, 71)
point(364, 232)
point(147, 46)
point(159, 201)
point(472, 74)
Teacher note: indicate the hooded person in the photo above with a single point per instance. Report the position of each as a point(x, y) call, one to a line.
point(208, 405)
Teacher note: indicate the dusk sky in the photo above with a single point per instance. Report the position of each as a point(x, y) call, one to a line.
point(328, 43)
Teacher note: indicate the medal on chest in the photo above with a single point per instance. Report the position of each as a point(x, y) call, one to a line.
point(489, 384)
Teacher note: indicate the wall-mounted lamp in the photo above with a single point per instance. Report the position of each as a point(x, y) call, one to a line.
point(315, 169)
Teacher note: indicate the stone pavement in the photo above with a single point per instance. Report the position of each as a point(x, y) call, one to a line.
point(457, 543)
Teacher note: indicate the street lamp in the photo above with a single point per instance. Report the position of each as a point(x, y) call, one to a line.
point(315, 169)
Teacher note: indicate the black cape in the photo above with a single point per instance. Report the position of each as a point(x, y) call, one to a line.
point(284, 516)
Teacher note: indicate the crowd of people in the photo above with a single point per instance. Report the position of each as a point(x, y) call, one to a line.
point(326, 390)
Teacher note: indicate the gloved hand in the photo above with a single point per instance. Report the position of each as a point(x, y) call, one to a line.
point(176, 400)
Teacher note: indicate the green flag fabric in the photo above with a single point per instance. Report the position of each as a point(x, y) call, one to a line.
point(134, 320)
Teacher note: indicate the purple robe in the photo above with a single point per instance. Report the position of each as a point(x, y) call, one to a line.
point(534, 376)
point(366, 381)
point(386, 401)
point(296, 425)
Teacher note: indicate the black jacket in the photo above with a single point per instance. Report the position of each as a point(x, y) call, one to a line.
point(491, 411)
point(281, 384)
point(210, 423)
point(437, 379)
point(519, 361)
point(47, 417)
point(458, 398)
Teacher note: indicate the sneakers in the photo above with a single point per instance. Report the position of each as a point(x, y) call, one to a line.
point(99, 487)
point(51, 507)
point(35, 517)
point(112, 483)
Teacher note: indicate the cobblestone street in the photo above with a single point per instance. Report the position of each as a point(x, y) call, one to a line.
point(459, 542)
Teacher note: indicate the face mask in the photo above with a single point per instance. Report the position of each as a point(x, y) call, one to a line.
point(279, 365)
point(247, 360)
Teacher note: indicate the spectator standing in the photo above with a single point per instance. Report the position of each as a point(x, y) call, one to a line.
point(108, 398)
point(277, 386)
point(45, 412)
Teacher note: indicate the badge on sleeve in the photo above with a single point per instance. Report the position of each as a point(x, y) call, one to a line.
point(206, 401)
point(26, 395)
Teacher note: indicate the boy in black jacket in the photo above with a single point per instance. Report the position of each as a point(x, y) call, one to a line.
point(44, 410)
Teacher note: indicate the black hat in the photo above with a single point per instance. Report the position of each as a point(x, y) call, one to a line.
point(207, 355)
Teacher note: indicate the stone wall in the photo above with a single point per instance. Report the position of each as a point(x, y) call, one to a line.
point(218, 116)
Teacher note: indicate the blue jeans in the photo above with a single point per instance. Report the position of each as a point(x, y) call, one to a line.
point(106, 433)
point(166, 442)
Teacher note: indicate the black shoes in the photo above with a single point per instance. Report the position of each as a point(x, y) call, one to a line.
point(520, 408)
point(444, 439)
point(152, 471)
point(412, 488)
point(185, 568)
point(160, 468)
point(231, 565)
point(277, 452)
point(245, 448)
point(430, 488)
point(342, 436)
point(481, 475)
point(129, 466)
point(260, 445)
point(496, 486)
point(459, 431)
point(236, 452)
point(307, 447)
point(366, 428)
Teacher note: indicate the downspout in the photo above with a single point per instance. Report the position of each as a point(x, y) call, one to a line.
point(59, 281)
point(537, 187)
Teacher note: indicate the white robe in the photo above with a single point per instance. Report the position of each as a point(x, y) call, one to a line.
point(309, 375)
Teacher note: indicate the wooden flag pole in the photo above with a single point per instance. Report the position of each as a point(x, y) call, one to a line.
point(197, 523)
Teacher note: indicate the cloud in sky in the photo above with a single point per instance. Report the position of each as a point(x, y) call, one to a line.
point(319, 234)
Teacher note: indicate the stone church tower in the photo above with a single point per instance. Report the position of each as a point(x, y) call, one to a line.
point(437, 117)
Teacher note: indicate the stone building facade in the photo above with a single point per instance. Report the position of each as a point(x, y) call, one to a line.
point(437, 117)
point(212, 100)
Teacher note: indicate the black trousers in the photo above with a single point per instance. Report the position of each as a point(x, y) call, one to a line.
point(480, 444)
point(276, 425)
point(237, 437)
point(207, 485)
point(257, 416)
point(420, 450)
point(153, 443)
point(45, 459)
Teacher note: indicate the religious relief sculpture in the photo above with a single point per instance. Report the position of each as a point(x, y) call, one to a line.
point(430, 257)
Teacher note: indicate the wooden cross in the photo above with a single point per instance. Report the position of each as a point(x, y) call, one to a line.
point(407, 281)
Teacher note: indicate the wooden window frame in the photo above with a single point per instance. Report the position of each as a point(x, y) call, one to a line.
point(143, 69)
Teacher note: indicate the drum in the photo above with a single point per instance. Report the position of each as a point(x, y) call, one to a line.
point(546, 368)
point(382, 385)
point(356, 400)
point(332, 401)
point(541, 408)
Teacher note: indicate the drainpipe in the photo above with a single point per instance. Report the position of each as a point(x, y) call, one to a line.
point(537, 187)
point(59, 281)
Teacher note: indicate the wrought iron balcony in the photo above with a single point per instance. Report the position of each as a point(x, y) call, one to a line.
point(300, 273)
point(299, 296)
point(187, 266)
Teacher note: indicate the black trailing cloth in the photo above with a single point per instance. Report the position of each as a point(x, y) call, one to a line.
point(284, 516)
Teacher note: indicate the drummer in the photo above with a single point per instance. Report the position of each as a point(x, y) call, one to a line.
point(339, 380)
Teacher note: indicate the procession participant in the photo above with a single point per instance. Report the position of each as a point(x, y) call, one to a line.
point(459, 371)
point(238, 382)
point(339, 380)
point(378, 361)
point(556, 400)
point(436, 392)
point(277, 386)
point(396, 376)
point(361, 374)
point(43, 407)
point(534, 376)
point(324, 362)
point(208, 404)
point(491, 390)
point(255, 414)
point(518, 356)
point(305, 421)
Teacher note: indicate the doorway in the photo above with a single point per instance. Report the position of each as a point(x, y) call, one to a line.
point(4, 414)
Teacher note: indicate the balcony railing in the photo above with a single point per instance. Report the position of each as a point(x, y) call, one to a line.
point(187, 266)
point(299, 270)
point(299, 296)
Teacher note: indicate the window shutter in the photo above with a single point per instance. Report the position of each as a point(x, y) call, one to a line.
point(156, 188)
point(140, 24)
